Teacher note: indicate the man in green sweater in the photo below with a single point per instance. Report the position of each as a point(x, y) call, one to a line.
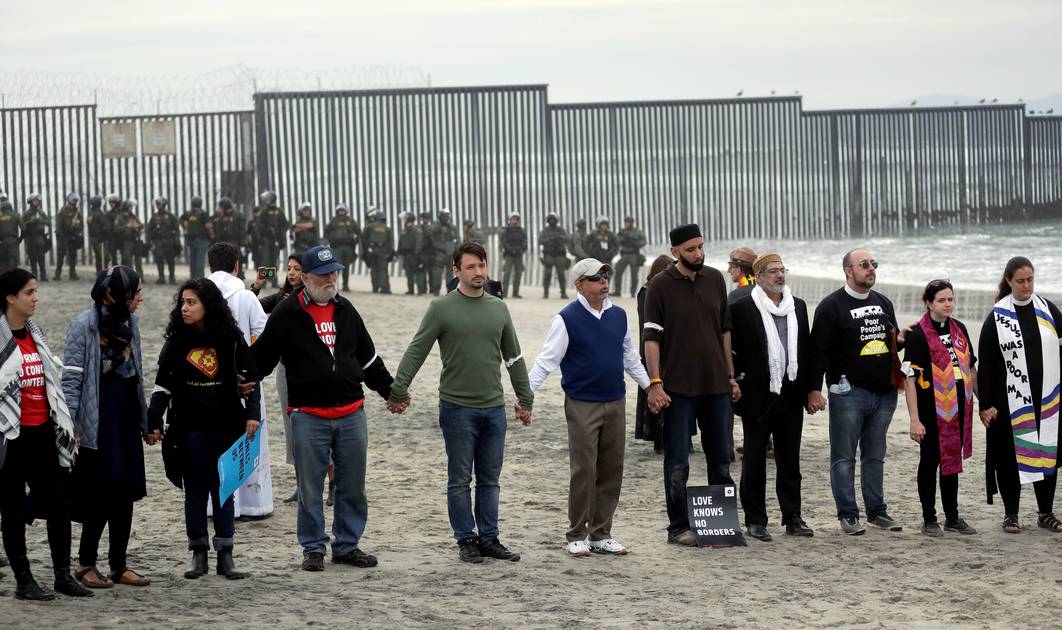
point(475, 335)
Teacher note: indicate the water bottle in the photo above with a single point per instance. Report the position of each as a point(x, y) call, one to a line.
point(842, 386)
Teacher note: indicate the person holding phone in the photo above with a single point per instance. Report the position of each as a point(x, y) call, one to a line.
point(200, 369)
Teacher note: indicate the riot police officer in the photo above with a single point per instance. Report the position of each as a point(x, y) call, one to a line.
point(97, 231)
point(426, 252)
point(474, 234)
point(10, 235)
point(513, 246)
point(127, 231)
point(554, 241)
point(273, 229)
point(443, 238)
point(410, 249)
point(632, 240)
point(342, 234)
point(228, 227)
point(37, 232)
point(251, 239)
point(164, 239)
point(577, 243)
point(377, 249)
point(602, 244)
point(196, 237)
point(304, 232)
point(114, 203)
point(69, 235)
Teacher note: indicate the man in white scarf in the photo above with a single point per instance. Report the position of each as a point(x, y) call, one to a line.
point(771, 340)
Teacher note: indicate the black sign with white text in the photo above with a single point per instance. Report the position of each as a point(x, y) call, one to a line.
point(713, 516)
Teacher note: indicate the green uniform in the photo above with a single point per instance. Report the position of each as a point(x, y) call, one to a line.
point(577, 243)
point(229, 228)
point(197, 239)
point(411, 250)
point(97, 235)
point(164, 239)
point(251, 239)
point(476, 235)
point(36, 232)
point(443, 238)
point(10, 237)
point(305, 238)
point(377, 249)
point(273, 226)
point(342, 234)
point(127, 230)
point(554, 241)
point(602, 245)
point(513, 247)
point(426, 253)
point(476, 336)
point(113, 246)
point(69, 237)
point(632, 240)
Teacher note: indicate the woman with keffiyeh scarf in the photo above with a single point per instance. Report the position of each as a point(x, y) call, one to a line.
point(103, 378)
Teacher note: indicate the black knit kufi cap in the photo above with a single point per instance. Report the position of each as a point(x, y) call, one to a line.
point(683, 233)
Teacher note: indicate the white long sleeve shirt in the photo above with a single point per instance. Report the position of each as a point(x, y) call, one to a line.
point(556, 347)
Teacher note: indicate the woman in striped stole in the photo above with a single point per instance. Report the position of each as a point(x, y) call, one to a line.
point(1018, 389)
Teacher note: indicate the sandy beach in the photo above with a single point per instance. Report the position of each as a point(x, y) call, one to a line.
point(882, 579)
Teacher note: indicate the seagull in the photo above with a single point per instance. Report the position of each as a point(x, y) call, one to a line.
point(1051, 111)
point(1021, 100)
point(741, 92)
point(995, 100)
point(913, 103)
point(772, 92)
point(797, 93)
point(982, 101)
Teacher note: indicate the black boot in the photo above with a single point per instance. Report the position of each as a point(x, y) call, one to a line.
point(67, 585)
point(199, 563)
point(226, 566)
point(27, 587)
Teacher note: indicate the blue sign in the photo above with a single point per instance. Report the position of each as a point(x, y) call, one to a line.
point(236, 464)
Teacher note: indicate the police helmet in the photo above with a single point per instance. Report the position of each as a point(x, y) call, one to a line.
point(113, 198)
point(305, 206)
point(33, 197)
point(445, 212)
point(268, 197)
point(426, 214)
point(95, 201)
point(515, 215)
point(5, 206)
point(407, 216)
point(160, 202)
point(225, 203)
point(469, 222)
point(378, 214)
point(3, 196)
point(197, 202)
point(580, 223)
point(73, 198)
point(343, 208)
point(628, 219)
point(602, 219)
point(128, 204)
point(551, 215)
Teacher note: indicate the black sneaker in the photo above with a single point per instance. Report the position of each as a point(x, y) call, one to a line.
point(313, 561)
point(884, 521)
point(468, 551)
point(958, 526)
point(494, 549)
point(355, 557)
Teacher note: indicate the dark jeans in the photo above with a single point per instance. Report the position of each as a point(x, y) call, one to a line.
point(475, 440)
point(710, 412)
point(32, 461)
point(197, 248)
point(117, 516)
point(200, 481)
point(784, 419)
point(860, 419)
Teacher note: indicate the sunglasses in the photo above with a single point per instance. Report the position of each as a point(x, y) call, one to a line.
point(597, 277)
point(867, 264)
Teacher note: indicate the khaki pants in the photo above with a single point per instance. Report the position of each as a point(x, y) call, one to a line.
point(596, 436)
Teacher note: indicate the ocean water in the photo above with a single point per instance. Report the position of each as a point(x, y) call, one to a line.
point(972, 257)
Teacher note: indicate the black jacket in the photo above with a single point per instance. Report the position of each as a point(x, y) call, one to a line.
point(315, 377)
point(749, 343)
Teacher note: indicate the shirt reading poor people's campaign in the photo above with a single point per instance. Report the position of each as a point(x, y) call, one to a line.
point(34, 404)
point(850, 336)
point(324, 322)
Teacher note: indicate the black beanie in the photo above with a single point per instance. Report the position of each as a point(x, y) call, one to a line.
point(683, 233)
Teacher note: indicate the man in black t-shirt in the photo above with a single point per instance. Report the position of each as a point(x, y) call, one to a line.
point(851, 346)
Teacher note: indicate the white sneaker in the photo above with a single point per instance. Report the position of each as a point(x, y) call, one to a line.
point(578, 549)
point(610, 545)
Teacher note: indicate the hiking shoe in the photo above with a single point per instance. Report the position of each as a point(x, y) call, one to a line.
point(685, 537)
point(468, 551)
point(851, 526)
point(313, 561)
point(355, 557)
point(494, 549)
point(609, 545)
point(578, 549)
point(884, 521)
point(932, 529)
point(958, 526)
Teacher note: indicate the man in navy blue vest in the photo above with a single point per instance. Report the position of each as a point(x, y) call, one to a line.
point(591, 343)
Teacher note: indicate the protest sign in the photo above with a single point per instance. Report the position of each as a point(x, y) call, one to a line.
point(713, 516)
point(236, 464)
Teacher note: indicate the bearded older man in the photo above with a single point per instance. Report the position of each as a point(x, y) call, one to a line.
point(327, 353)
point(772, 359)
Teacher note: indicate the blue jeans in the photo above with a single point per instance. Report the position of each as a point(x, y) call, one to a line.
point(712, 413)
point(197, 249)
point(859, 418)
point(201, 481)
point(475, 438)
point(346, 439)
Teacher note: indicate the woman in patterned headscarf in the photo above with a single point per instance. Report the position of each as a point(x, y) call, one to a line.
point(103, 379)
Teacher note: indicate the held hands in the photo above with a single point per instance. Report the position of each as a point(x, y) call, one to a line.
point(988, 415)
point(398, 407)
point(816, 402)
point(252, 427)
point(918, 431)
point(658, 399)
point(246, 387)
point(151, 438)
point(735, 391)
point(523, 414)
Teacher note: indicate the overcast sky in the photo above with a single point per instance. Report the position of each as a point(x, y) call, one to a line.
point(836, 53)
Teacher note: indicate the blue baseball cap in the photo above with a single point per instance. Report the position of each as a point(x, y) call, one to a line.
point(320, 260)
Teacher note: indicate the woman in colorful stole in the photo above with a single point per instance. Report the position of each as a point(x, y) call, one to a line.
point(1018, 389)
point(941, 381)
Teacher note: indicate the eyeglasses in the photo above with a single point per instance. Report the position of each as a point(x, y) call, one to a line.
point(597, 277)
point(867, 264)
point(775, 272)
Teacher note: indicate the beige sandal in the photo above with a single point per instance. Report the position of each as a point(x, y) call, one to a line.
point(130, 577)
point(91, 577)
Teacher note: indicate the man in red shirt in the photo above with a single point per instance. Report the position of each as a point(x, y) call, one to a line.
point(327, 354)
